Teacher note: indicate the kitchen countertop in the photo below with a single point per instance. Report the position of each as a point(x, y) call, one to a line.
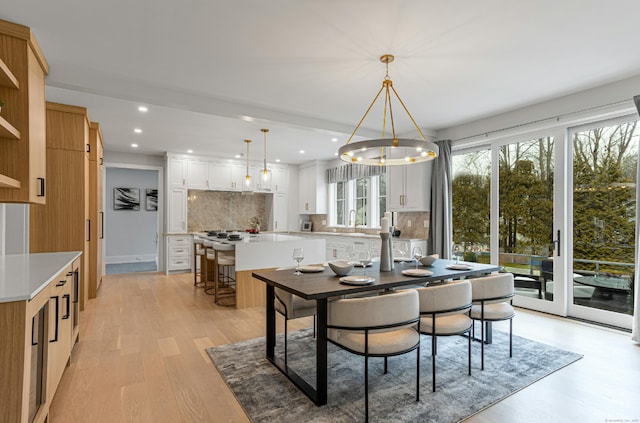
point(357, 235)
point(263, 236)
point(23, 276)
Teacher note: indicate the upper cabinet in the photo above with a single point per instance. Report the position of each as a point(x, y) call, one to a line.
point(22, 118)
point(280, 180)
point(409, 187)
point(177, 172)
point(312, 188)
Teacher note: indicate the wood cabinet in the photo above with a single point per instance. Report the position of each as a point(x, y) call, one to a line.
point(96, 209)
point(64, 223)
point(409, 187)
point(37, 341)
point(312, 189)
point(22, 118)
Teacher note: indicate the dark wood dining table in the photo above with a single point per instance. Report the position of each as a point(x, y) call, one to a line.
point(323, 285)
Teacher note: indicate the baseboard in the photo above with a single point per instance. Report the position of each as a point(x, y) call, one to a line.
point(130, 259)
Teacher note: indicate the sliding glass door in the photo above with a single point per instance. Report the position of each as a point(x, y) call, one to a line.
point(604, 176)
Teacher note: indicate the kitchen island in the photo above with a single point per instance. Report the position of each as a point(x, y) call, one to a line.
point(267, 251)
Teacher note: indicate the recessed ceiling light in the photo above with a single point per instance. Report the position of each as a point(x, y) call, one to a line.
point(143, 109)
point(301, 151)
point(334, 140)
point(277, 160)
point(189, 151)
point(134, 145)
point(238, 156)
point(335, 154)
point(247, 118)
point(137, 131)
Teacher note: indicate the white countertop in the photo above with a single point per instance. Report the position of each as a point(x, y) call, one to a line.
point(22, 276)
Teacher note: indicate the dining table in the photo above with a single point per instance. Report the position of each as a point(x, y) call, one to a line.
point(325, 284)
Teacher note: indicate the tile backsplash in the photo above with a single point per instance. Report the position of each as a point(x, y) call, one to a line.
point(223, 210)
point(410, 224)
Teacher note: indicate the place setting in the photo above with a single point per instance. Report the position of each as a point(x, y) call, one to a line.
point(457, 265)
point(416, 272)
point(298, 256)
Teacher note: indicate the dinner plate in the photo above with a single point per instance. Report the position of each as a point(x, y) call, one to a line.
point(357, 280)
point(459, 267)
point(401, 259)
point(311, 269)
point(417, 272)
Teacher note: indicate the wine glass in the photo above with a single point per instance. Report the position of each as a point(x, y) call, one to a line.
point(417, 255)
point(402, 253)
point(350, 253)
point(455, 254)
point(298, 256)
point(364, 258)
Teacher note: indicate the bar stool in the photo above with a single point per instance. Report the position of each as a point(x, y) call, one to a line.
point(208, 267)
point(198, 252)
point(225, 275)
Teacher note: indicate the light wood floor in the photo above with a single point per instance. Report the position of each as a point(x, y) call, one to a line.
point(141, 359)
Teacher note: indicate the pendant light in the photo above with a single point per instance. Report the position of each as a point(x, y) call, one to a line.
point(265, 171)
point(247, 178)
point(374, 151)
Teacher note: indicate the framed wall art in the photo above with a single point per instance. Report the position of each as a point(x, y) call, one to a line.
point(126, 199)
point(152, 200)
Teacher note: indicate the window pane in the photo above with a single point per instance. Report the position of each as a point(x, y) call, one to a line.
point(605, 162)
point(471, 205)
point(382, 194)
point(361, 201)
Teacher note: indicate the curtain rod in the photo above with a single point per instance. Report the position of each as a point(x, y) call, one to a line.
point(626, 103)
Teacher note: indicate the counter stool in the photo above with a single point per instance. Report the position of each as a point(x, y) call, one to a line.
point(225, 275)
point(207, 267)
point(198, 253)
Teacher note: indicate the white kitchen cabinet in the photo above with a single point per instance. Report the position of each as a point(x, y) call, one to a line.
point(219, 176)
point(409, 187)
point(280, 213)
point(238, 174)
point(280, 180)
point(312, 188)
point(177, 172)
point(177, 210)
point(179, 253)
point(197, 175)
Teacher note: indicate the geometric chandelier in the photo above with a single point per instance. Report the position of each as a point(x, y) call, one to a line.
point(382, 151)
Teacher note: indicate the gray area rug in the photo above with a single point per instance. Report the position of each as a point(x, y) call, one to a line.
point(267, 396)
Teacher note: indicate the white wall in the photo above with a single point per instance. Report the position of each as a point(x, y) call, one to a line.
point(14, 229)
point(130, 235)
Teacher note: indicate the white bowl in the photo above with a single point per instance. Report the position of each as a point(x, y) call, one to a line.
point(429, 260)
point(340, 267)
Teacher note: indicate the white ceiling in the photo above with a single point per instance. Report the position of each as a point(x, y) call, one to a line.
point(307, 70)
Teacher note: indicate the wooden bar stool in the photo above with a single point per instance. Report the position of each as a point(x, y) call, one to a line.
point(225, 275)
point(198, 253)
point(208, 267)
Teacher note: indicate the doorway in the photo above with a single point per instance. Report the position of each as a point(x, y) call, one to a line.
point(132, 218)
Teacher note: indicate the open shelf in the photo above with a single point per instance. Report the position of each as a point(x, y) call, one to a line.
point(7, 79)
point(7, 130)
point(6, 182)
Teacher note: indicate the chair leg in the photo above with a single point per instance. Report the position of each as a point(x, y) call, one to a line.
point(482, 343)
point(285, 342)
point(510, 337)
point(315, 323)
point(434, 344)
point(469, 336)
point(385, 365)
point(418, 373)
point(366, 388)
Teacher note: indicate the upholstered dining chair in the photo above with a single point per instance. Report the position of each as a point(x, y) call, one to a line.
point(382, 326)
point(444, 311)
point(492, 301)
point(291, 306)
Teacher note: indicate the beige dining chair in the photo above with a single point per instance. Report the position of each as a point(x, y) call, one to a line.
point(381, 326)
point(492, 301)
point(444, 311)
point(291, 306)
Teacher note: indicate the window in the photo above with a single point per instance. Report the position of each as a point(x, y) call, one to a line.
point(367, 197)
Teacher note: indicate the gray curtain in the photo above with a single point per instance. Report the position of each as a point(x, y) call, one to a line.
point(440, 227)
point(351, 171)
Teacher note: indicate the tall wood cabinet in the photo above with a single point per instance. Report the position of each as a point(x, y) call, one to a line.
point(22, 118)
point(64, 223)
point(96, 208)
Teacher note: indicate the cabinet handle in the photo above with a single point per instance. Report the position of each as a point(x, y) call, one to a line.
point(101, 225)
point(55, 337)
point(68, 312)
point(88, 229)
point(33, 326)
point(184, 182)
point(41, 194)
point(88, 148)
point(101, 162)
point(61, 283)
point(76, 286)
